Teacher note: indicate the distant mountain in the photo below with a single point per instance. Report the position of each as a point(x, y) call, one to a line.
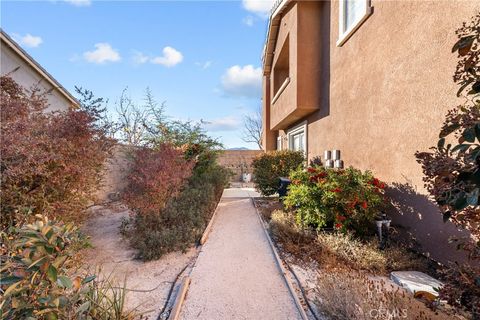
point(241, 148)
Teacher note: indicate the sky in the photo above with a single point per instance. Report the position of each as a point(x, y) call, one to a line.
point(203, 58)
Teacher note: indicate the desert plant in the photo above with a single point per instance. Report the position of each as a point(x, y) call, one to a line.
point(270, 166)
point(51, 161)
point(348, 200)
point(156, 176)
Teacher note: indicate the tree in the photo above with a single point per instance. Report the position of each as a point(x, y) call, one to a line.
point(138, 125)
point(252, 128)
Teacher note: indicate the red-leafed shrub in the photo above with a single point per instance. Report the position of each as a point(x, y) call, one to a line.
point(51, 161)
point(156, 176)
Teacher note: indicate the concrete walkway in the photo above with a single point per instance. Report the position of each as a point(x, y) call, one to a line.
point(236, 276)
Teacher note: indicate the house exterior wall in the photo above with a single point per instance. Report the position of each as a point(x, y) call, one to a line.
point(383, 96)
point(25, 75)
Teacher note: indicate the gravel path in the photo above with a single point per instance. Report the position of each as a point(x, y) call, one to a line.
point(235, 276)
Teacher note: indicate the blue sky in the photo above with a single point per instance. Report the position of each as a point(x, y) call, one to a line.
point(202, 57)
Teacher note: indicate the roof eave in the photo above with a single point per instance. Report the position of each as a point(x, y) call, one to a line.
point(37, 67)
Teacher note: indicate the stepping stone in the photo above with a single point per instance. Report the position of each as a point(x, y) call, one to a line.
point(415, 281)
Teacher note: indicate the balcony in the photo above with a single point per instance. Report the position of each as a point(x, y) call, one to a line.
point(293, 64)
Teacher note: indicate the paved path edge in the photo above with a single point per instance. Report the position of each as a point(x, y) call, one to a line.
point(278, 262)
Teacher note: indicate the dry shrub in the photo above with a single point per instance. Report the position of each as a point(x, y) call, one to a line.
point(345, 294)
point(332, 248)
point(365, 255)
point(156, 176)
point(51, 161)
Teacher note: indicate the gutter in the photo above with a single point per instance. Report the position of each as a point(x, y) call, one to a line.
point(38, 68)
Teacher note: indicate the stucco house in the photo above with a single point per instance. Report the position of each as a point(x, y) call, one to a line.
point(21, 67)
point(372, 79)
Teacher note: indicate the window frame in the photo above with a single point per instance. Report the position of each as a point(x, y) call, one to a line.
point(343, 36)
point(302, 127)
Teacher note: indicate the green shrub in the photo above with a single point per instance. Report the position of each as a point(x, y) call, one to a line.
point(37, 281)
point(348, 200)
point(270, 166)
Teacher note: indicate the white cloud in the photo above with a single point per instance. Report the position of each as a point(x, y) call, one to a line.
point(243, 81)
point(229, 123)
point(103, 53)
point(28, 40)
point(140, 58)
point(170, 58)
point(259, 7)
point(204, 65)
point(248, 20)
point(79, 3)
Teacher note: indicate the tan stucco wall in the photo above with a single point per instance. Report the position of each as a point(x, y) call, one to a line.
point(239, 161)
point(28, 77)
point(384, 95)
point(115, 173)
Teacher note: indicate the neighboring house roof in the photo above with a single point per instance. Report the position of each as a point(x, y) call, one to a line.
point(37, 67)
point(272, 33)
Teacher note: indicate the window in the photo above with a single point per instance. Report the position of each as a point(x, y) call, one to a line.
point(279, 143)
point(297, 138)
point(352, 13)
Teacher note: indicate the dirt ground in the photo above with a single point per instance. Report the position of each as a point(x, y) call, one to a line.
point(111, 253)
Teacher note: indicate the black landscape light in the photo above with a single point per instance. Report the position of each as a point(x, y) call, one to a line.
point(383, 232)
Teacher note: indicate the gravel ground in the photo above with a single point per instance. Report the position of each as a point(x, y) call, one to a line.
point(235, 276)
point(111, 252)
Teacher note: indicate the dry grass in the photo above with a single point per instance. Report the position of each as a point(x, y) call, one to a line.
point(334, 248)
point(343, 294)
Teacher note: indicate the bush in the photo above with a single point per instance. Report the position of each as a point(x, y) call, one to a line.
point(270, 166)
point(51, 162)
point(182, 222)
point(37, 281)
point(156, 176)
point(348, 200)
point(178, 217)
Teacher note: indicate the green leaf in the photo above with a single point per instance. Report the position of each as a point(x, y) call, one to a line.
point(9, 280)
point(472, 198)
point(469, 134)
point(441, 143)
point(89, 279)
point(464, 42)
point(52, 273)
point(477, 131)
point(461, 148)
point(64, 282)
point(461, 202)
